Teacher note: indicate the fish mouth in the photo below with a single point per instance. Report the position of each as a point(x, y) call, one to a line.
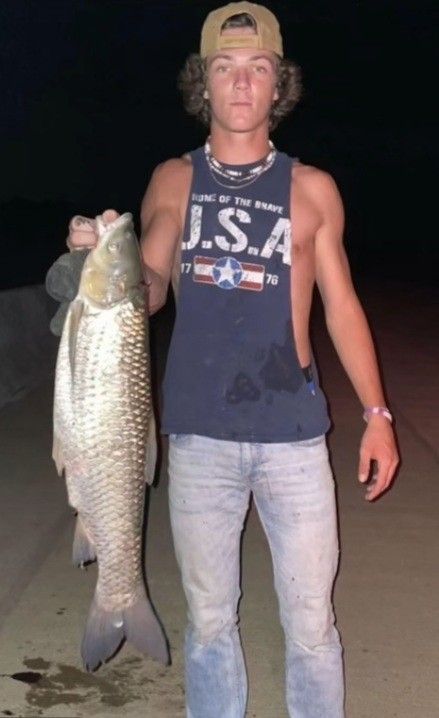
point(120, 221)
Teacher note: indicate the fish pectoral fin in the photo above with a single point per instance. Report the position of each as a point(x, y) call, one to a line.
point(151, 451)
point(75, 314)
point(57, 454)
point(83, 551)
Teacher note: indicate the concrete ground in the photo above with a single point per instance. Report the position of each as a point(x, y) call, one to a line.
point(386, 595)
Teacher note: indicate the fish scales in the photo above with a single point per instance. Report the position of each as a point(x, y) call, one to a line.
point(112, 410)
point(104, 439)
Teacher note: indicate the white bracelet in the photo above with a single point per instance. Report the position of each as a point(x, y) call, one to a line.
point(381, 410)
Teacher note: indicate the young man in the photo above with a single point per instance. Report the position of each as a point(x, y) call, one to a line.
point(244, 233)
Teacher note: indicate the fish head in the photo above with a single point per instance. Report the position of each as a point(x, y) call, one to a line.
point(114, 266)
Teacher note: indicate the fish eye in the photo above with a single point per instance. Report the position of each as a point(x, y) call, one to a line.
point(114, 245)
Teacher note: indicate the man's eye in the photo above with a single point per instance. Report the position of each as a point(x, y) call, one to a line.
point(221, 68)
point(261, 69)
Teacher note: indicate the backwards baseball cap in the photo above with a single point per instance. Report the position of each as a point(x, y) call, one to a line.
point(266, 37)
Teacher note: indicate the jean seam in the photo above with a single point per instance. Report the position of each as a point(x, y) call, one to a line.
point(236, 673)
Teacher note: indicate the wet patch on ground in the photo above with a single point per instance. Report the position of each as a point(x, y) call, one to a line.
point(51, 685)
point(29, 677)
point(37, 664)
point(63, 684)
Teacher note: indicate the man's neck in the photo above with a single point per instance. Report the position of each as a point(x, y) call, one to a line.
point(239, 148)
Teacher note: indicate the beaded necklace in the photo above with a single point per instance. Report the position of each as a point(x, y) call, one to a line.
point(238, 177)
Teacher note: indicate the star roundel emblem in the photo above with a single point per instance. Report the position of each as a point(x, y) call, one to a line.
point(227, 272)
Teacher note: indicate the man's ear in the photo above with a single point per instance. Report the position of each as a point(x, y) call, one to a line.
point(206, 94)
point(276, 95)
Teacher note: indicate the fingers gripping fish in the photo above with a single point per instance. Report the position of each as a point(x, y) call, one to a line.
point(104, 440)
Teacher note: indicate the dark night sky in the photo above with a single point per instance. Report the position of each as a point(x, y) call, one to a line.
point(89, 106)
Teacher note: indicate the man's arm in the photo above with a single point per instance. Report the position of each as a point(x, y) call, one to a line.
point(350, 334)
point(162, 216)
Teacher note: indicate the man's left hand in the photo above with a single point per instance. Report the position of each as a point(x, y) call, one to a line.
point(378, 444)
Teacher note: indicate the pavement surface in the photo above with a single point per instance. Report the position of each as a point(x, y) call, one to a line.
point(386, 595)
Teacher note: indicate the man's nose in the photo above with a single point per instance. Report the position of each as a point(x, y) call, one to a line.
point(241, 79)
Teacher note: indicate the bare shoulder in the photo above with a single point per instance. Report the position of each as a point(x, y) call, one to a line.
point(162, 215)
point(317, 186)
point(168, 189)
point(172, 174)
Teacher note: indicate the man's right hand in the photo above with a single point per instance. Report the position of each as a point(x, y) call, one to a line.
point(82, 230)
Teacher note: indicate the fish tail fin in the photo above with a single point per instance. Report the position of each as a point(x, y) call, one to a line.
point(105, 631)
point(102, 636)
point(83, 549)
point(144, 632)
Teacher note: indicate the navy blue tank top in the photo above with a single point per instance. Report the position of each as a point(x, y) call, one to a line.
point(232, 370)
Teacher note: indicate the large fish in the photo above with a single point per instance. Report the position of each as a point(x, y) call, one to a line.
point(104, 439)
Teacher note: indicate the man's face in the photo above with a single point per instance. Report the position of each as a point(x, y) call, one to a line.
point(241, 86)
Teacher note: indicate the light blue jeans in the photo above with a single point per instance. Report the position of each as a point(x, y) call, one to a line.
point(209, 490)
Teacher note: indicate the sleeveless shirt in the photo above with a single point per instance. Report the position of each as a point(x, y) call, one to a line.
point(232, 369)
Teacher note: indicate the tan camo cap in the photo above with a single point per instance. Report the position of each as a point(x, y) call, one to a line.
point(267, 35)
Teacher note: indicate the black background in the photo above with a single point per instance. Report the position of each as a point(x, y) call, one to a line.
point(89, 106)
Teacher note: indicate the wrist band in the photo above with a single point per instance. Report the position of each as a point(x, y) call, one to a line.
point(381, 410)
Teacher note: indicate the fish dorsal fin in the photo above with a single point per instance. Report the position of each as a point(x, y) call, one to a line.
point(76, 312)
